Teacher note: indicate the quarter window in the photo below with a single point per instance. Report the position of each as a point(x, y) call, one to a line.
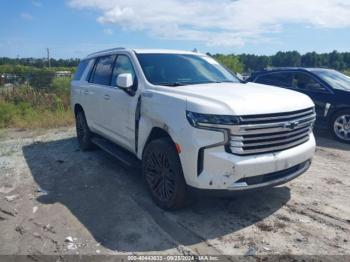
point(103, 70)
point(80, 70)
point(276, 79)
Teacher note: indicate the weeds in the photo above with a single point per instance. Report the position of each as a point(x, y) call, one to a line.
point(25, 107)
point(3, 134)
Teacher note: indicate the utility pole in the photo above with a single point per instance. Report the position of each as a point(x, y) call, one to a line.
point(48, 57)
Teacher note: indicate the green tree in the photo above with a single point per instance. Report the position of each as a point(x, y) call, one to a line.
point(283, 59)
point(336, 61)
point(310, 60)
point(232, 62)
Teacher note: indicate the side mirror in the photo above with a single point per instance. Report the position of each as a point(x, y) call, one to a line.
point(125, 81)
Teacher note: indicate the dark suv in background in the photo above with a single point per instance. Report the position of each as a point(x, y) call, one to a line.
point(329, 89)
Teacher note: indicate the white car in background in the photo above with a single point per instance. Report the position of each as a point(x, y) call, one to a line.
point(190, 122)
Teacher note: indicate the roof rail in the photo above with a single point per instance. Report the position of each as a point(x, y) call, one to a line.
point(107, 50)
point(269, 68)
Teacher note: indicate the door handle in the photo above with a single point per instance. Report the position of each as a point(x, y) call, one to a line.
point(107, 97)
point(86, 92)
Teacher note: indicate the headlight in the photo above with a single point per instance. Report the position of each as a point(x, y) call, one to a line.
point(206, 120)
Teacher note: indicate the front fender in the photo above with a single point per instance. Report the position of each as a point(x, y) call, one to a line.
point(163, 111)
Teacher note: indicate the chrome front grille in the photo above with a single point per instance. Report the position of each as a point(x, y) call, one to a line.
point(271, 132)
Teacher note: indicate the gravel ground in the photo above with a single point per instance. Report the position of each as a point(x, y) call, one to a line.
point(55, 199)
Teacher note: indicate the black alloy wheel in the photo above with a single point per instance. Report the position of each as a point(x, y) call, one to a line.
point(84, 134)
point(163, 174)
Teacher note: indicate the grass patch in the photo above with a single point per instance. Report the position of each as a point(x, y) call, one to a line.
point(25, 107)
point(3, 134)
point(25, 116)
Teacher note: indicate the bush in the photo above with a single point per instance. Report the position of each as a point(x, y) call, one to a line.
point(25, 107)
point(61, 85)
point(42, 79)
point(37, 99)
point(7, 114)
point(23, 115)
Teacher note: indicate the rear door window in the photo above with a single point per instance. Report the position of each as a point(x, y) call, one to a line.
point(103, 70)
point(276, 79)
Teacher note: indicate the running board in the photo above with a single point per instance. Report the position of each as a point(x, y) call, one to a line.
point(122, 155)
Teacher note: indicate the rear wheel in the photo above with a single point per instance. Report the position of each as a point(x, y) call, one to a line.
point(341, 126)
point(84, 134)
point(163, 173)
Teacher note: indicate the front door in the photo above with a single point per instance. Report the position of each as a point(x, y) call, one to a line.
point(120, 106)
point(310, 86)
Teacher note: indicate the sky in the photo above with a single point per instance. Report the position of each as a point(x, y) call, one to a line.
point(75, 28)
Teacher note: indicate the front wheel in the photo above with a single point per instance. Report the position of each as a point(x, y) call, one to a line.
point(84, 134)
point(163, 173)
point(341, 126)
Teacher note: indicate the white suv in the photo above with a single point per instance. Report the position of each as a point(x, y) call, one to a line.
point(191, 122)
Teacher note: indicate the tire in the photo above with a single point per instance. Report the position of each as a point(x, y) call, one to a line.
point(162, 171)
point(84, 134)
point(340, 126)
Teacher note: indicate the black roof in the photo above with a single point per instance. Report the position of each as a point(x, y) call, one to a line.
point(281, 69)
point(273, 69)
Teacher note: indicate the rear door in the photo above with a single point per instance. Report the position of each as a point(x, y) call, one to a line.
point(99, 81)
point(82, 75)
point(280, 79)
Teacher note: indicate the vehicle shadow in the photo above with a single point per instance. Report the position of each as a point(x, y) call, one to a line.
point(325, 139)
point(115, 207)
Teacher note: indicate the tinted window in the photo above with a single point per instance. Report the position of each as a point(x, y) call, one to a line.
point(182, 69)
point(80, 70)
point(103, 70)
point(306, 82)
point(334, 78)
point(276, 79)
point(122, 65)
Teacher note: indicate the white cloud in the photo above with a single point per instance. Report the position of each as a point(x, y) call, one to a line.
point(220, 22)
point(26, 16)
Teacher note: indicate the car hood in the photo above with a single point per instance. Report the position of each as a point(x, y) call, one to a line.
point(242, 99)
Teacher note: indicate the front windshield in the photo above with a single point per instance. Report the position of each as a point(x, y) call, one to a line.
point(183, 69)
point(334, 79)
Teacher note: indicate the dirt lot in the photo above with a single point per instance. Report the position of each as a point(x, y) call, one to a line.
point(55, 199)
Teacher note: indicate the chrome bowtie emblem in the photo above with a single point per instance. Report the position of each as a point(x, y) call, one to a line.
point(291, 125)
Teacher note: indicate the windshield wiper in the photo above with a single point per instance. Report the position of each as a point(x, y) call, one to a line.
point(224, 81)
point(191, 83)
point(171, 84)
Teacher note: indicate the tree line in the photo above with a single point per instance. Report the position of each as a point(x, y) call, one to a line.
point(249, 63)
point(39, 62)
point(36, 77)
point(237, 63)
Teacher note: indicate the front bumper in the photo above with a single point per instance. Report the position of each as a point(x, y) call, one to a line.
point(225, 171)
point(272, 179)
point(303, 167)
